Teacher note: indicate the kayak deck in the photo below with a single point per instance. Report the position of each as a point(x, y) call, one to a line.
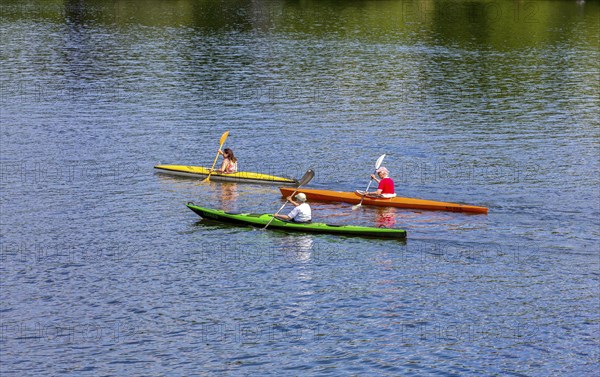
point(399, 202)
point(260, 220)
point(200, 172)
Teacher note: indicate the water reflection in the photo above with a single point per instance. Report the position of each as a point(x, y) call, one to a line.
point(299, 248)
point(385, 217)
point(459, 22)
point(228, 196)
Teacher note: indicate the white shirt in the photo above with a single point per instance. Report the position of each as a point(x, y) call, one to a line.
point(301, 213)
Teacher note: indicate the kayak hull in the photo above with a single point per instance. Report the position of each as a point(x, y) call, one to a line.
point(398, 202)
point(260, 220)
point(200, 172)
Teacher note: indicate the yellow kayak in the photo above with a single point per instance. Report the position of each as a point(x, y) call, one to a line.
point(200, 172)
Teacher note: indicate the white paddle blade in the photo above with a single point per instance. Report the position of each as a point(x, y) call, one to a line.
point(379, 161)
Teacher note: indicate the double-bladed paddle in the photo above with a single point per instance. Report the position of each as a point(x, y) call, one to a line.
point(221, 142)
point(377, 165)
point(304, 180)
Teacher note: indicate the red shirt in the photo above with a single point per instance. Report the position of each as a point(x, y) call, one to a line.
point(386, 185)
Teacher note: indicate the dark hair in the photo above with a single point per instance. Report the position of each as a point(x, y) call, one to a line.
point(230, 153)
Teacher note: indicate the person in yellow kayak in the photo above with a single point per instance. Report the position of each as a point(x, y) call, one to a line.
point(229, 164)
point(301, 212)
point(386, 185)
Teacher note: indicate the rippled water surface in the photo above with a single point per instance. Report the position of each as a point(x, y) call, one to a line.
point(106, 272)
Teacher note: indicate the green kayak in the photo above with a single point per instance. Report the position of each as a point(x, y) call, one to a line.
point(260, 220)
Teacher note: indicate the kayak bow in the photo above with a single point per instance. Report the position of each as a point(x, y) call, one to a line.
point(399, 202)
point(200, 172)
point(259, 220)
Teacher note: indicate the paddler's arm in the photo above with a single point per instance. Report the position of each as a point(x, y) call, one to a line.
point(286, 217)
point(378, 192)
point(224, 166)
point(295, 203)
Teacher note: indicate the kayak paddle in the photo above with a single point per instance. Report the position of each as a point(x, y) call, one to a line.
point(221, 142)
point(377, 165)
point(304, 180)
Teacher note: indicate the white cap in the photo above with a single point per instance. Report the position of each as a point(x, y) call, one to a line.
point(383, 170)
point(301, 197)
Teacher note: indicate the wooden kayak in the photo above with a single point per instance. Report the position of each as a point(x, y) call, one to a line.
point(261, 220)
point(399, 202)
point(200, 172)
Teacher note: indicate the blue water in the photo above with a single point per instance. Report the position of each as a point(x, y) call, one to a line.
point(106, 272)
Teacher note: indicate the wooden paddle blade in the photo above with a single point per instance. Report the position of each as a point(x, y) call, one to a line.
point(223, 138)
point(221, 142)
point(307, 177)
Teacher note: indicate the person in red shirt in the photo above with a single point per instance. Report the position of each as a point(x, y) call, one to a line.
point(386, 184)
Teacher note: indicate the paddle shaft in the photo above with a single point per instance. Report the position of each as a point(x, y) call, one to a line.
point(363, 195)
point(279, 210)
point(367, 190)
point(221, 142)
point(305, 179)
point(286, 202)
point(377, 165)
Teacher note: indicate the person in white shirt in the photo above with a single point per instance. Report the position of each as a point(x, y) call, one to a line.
point(301, 212)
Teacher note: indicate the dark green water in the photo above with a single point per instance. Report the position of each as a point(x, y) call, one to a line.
point(104, 271)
